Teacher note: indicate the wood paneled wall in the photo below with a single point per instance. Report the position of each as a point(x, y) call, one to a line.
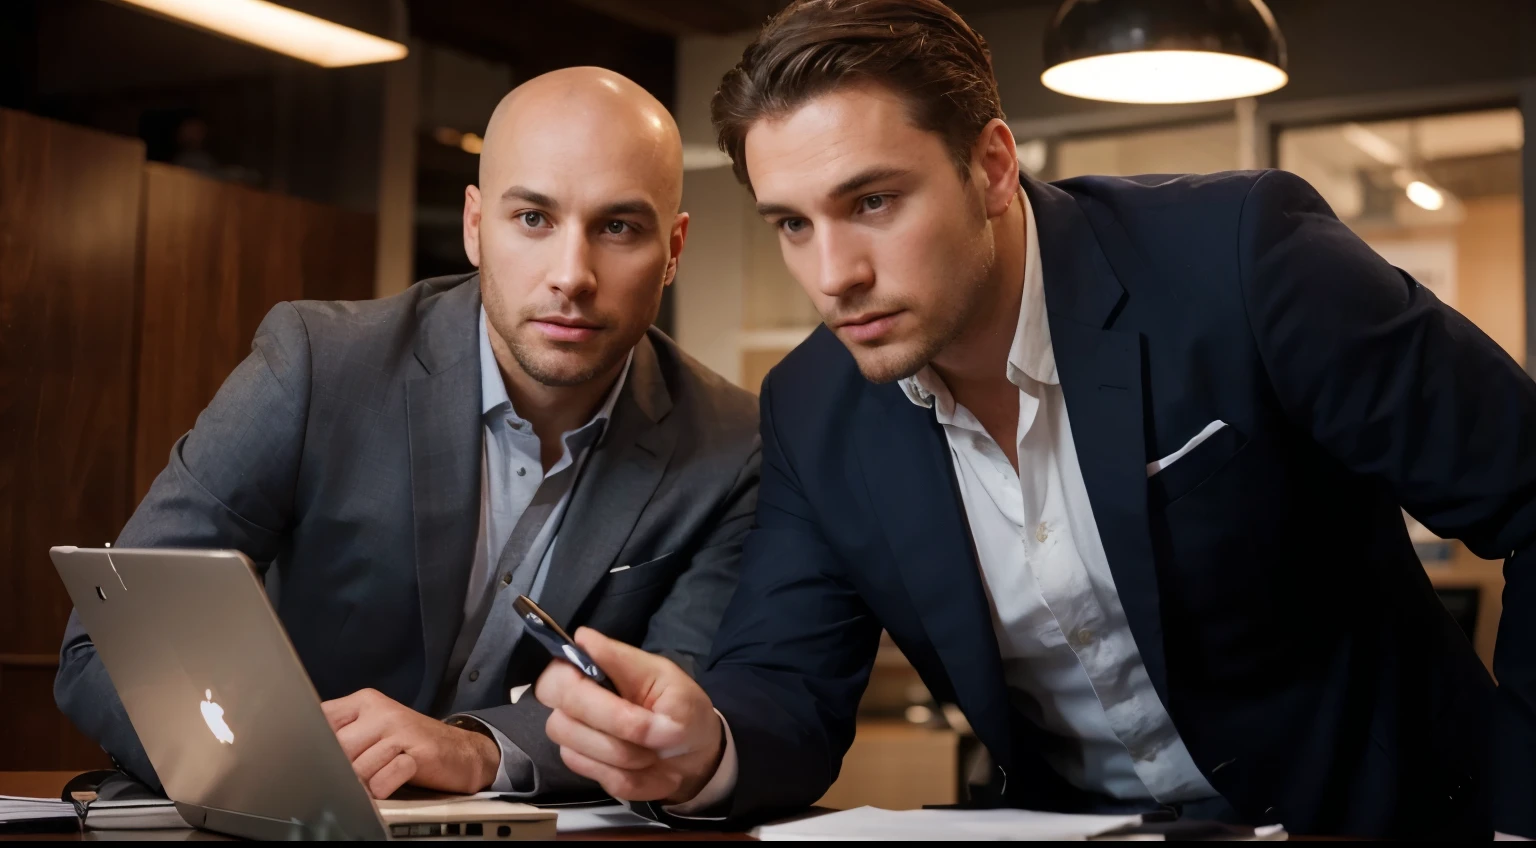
point(69, 231)
point(216, 258)
point(128, 292)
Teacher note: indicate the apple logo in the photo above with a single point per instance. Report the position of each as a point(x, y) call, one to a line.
point(213, 714)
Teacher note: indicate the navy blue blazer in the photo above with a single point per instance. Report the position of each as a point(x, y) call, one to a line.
point(1267, 576)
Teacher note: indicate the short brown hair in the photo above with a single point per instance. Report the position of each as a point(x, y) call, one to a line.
point(921, 49)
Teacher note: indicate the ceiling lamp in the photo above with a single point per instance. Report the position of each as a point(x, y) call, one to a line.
point(280, 29)
point(1425, 196)
point(1163, 51)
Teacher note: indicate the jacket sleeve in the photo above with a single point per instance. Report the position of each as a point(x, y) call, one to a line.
point(1396, 385)
point(794, 651)
point(229, 484)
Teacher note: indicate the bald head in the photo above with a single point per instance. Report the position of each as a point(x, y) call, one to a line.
point(574, 108)
point(575, 225)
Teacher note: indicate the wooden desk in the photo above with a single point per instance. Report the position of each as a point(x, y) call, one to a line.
point(49, 784)
point(897, 765)
point(1466, 571)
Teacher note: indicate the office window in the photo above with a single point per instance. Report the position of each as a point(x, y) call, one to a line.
point(1437, 196)
point(1184, 149)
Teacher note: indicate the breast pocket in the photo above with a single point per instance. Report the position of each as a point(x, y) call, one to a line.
point(1178, 475)
point(623, 604)
point(627, 579)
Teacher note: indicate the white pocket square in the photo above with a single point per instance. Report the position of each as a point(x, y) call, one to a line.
point(1210, 430)
point(640, 565)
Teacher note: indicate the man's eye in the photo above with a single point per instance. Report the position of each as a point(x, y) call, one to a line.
point(792, 225)
point(874, 202)
point(616, 228)
point(532, 219)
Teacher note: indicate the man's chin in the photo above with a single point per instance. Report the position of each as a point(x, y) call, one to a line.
point(564, 365)
point(888, 363)
point(563, 373)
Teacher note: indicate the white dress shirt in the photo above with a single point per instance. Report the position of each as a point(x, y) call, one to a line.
point(1069, 659)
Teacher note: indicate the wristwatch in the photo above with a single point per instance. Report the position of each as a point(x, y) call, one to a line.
point(470, 723)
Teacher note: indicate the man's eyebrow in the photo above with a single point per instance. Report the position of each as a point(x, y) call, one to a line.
point(636, 206)
point(864, 178)
point(766, 209)
point(537, 198)
point(843, 189)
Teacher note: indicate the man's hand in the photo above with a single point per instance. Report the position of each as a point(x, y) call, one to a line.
point(661, 741)
point(391, 745)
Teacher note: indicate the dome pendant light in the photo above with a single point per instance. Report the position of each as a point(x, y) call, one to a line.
point(1163, 51)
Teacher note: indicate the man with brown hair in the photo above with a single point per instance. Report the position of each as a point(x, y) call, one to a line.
point(1118, 463)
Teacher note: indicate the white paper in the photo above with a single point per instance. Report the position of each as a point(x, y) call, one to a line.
point(873, 823)
point(603, 817)
point(139, 814)
point(15, 808)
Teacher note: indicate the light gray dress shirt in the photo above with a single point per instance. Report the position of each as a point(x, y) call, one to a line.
point(514, 486)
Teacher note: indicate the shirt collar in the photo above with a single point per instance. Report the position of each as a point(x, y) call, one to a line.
point(1031, 354)
point(493, 390)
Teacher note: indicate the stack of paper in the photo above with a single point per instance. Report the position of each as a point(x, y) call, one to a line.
point(18, 809)
point(148, 814)
point(873, 823)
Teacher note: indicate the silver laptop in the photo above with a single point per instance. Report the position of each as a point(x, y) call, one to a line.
point(220, 700)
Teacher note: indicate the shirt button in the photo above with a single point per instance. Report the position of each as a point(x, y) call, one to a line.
point(474, 675)
point(506, 579)
point(1084, 638)
point(1042, 532)
point(523, 471)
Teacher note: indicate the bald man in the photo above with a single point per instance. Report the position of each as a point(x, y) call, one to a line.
point(402, 469)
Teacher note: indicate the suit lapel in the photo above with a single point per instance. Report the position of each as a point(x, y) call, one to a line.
point(905, 459)
point(443, 417)
point(617, 482)
point(619, 478)
point(1101, 378)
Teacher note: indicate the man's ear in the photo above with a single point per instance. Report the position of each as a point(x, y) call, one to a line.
point(675, 247)
point(995, 160)
point(472, 224)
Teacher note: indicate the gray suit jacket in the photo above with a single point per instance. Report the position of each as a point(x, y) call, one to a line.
point(345, 454)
